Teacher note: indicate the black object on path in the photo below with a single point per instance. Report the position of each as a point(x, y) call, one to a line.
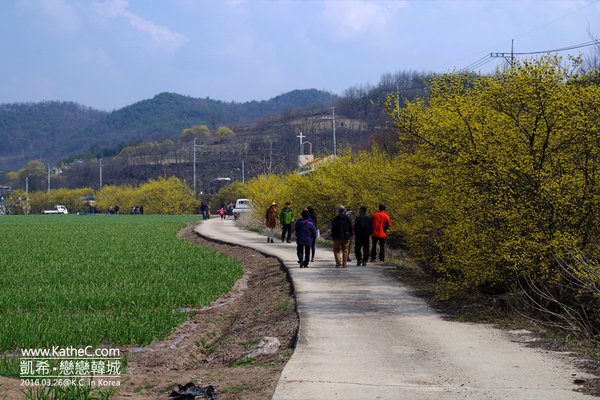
point(190, 391)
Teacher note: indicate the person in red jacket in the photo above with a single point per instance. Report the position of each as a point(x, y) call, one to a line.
point(380, 224)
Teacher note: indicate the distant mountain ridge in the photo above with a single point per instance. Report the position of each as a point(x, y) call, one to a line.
point(55, 130)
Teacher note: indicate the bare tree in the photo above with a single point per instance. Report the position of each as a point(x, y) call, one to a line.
point(571, 304)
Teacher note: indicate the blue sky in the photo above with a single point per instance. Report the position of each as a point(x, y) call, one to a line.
point(109, 54)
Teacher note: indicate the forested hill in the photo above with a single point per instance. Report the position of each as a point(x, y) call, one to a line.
point(52, 131)
point(27, 130)
point(167, 114)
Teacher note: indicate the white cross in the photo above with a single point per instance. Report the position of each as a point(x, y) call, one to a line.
point(301, 136)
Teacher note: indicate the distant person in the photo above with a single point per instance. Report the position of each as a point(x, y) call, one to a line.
point(306, 234)
point(380, 224)
point(341, 232)
point(204, 210)
point(286, 217)
point(271, 221)
point(221, 212)
point(117, 209)
point(312, 215)
point(362, 232)
point(141, 209)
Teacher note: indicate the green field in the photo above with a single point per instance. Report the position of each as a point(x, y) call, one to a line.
point(101, 280)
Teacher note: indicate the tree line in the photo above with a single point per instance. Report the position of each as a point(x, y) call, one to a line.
point(157, 196)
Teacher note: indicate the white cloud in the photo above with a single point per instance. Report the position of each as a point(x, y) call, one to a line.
point(356, 16)
point(159, 34)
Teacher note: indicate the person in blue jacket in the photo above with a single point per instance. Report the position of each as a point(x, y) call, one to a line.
point(306, 234)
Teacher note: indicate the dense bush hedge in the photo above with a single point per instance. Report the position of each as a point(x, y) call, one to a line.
point(160, 196)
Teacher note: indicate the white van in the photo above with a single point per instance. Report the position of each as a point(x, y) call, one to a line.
point(58, 209)
point(242, 205)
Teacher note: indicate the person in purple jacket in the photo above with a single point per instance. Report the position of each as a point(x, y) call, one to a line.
point(306, 234)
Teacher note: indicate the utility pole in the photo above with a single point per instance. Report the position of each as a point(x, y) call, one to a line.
point(512, 52)
point(243, 173)
point(194, 163)
point(48, 177)
point(101, 165)
point(26, 195)
point(270, 154)
point(334, 143)
point(333, 119)
point(510, 57)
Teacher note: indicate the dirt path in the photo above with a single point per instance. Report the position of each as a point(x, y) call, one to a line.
point(364, 335)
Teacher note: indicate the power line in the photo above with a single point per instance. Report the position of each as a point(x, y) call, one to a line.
point(510, 55)
point(535, 29)
point(478, 64)
point(474, 64)
point(531, 53)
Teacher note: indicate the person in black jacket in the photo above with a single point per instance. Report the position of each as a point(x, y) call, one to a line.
point(341, 232)
point(362, 232)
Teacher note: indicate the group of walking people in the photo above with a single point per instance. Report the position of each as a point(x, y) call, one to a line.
point(365, 230)
point(305, 228)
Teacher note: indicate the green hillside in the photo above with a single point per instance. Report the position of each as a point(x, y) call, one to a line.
point(28, 130)
point(56, 130)
point(167, 114)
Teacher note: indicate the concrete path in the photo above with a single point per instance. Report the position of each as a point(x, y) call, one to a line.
point(364, 336)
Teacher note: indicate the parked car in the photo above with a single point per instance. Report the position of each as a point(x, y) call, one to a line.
point(58, 209)
point(242, 205)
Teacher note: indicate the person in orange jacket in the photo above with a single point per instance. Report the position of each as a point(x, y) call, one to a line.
point(271, 221)
point(380, 224)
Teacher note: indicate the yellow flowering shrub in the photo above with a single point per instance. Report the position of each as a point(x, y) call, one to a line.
point(509, 163)
point(495, 179)
point(160, 196)
point(71, 198)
